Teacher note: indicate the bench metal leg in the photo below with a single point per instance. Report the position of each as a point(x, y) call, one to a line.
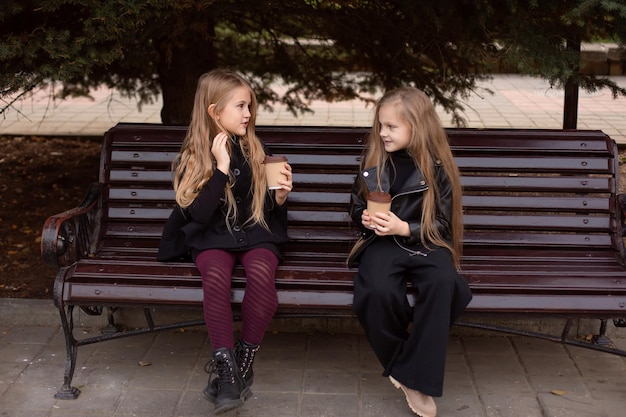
point(67, 392)
point(112, 331)
point(601, 346)
point(111, 327)
point(601, 338)
point(598, 341)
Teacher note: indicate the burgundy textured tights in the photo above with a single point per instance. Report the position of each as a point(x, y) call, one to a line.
point(259, 302)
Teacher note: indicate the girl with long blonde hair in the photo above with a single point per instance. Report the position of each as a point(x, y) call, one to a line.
point(226, 214)
point(418, 240)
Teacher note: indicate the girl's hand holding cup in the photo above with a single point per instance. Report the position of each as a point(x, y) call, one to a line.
point(279, 177)
point(379, 217)
point(377, 202)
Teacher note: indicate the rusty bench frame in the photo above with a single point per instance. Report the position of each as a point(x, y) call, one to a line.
point(116, 228)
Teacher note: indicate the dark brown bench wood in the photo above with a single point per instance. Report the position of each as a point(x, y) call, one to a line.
point(543, 216)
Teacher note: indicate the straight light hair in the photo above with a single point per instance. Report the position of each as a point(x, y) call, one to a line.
point(428, 144)
point(195, 165)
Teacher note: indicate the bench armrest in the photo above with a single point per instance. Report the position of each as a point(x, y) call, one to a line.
point(71, 235)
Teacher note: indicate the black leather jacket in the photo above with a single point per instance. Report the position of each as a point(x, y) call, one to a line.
point(406, 204)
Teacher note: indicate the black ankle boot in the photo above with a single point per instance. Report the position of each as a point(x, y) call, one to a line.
point(230, 385)
point(244, 354)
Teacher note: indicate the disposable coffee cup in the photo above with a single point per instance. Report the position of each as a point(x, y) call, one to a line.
point(378, 201)
point(273, 166)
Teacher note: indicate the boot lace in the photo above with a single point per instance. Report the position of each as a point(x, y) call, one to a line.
point(222, 368)
point(245, 358)
point(211, 369)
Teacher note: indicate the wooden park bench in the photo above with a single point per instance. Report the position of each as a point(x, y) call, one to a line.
point(544, 231)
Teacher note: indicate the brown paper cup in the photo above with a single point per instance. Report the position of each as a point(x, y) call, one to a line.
point(273, 165)
point(378, 201)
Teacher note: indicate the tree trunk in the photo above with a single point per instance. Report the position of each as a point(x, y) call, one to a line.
point(570, 104)
point(180, 66)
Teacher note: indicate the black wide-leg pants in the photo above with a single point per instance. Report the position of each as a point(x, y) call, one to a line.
point(410, 342)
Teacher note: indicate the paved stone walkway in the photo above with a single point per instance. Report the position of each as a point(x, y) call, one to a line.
point(302, 374)
point(517, 102)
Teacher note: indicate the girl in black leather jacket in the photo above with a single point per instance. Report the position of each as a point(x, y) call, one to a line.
point(418, 240)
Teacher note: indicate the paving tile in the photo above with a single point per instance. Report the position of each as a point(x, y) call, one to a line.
point(28, 398)
point(114, 375)
point(569, 406)
point(331, 342)
point(550, 373)
point(375, 384)
point(280, 359)
point(330, 405)
point(460, 405)
point(376, 405)
point(94, 399)
point(337, 360)
point(368, 362)
point(285, 341)
point(192, 404)
point(165, 377)
point(600, 365)
point(330, 382)
point(488, 345)
point(278, 380)
point(150, 402)
point(270, 404)
point(509, 403)
point(19, 353)
point(29, 413)
point(29, 335)
point(10, 371)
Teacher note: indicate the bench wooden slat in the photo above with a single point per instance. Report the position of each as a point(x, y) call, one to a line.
point(509, 183)
point(472, 237)
point(139, 230)
point(527, 239)
point(545, 275)
point(149, 177)
point(583, 224)
point(523, 164)
point(559, 185)
point(291, 294)
point(527, 222)
point(136, 157)
point(585, 204)
point(315, 300)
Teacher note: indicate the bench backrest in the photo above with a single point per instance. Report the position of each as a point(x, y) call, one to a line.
point(523, 189)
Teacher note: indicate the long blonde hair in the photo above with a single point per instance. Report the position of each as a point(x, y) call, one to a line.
point(195, 164)
point(428, 143)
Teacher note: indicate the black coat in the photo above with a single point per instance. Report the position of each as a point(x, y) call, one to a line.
point(202, 225)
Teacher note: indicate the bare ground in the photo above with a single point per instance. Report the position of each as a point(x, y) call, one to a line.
point(39, 177)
